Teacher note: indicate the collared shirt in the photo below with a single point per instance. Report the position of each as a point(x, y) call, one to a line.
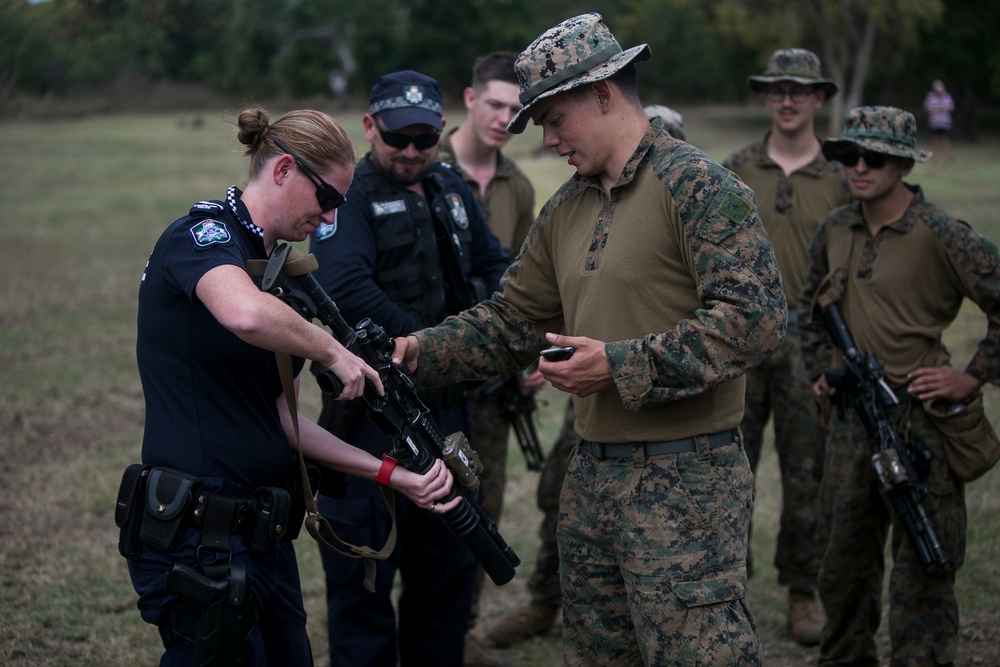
point(509, 204)
point(901, 288)
point(791, 205)
point(673, 270)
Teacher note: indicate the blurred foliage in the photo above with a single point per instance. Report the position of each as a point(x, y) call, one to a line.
point(334, 49)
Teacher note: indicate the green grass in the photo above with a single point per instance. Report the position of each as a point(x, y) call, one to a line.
point(83, 201)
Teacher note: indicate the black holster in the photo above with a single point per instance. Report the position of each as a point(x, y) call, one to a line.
point(216, 614)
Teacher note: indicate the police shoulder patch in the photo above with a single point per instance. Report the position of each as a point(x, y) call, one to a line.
point(458, 212)
point(325, 231)
point(210, 232)
point(735, 208)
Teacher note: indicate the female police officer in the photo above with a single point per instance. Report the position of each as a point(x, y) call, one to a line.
point(218, 442)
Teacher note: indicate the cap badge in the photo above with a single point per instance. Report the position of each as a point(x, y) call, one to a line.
point(414, 95)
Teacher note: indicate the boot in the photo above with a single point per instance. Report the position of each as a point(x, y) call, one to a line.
point(805, 622)
point(477, 655)
point(524, 622)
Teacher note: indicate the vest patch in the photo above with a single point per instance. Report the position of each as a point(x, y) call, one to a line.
point(210, 232)
point(458, 212)
point(380, 208)
point(734, 208)
point(325, 231)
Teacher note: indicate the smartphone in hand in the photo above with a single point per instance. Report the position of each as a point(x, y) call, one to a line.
point(557, 353)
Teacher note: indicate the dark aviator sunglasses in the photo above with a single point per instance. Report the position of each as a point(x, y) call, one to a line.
point(400, 141)
point(328, 196)
point(849, 158)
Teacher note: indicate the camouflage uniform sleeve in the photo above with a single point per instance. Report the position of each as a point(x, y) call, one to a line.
point(817, 348)
point(976, 260)
point(743, 317)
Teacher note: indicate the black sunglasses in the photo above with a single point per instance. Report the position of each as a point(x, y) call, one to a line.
point(328, 196)
point(399, 141)
point(849, 157)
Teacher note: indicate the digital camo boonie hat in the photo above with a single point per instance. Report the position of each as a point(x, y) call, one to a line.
point(881, 130)
point(578, 51)
point(406, 98)
point(796, 65)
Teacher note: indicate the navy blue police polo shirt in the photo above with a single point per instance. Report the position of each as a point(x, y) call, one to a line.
point(211, 398)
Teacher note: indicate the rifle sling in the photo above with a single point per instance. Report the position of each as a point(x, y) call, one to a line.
point(296, 265)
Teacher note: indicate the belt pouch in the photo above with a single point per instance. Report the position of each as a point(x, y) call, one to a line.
point(128, 509)
point(971, 444)
point(270, 506)
point(168, 496)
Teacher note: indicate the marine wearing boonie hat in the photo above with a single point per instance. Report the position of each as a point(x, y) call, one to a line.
point(406, 98)
point(576, 52)
point(795, 65)
point(879, 129)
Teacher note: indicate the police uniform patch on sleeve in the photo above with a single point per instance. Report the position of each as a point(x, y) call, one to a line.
point(735, 208)
point(211, 232)
point(458, 212)
point(380, 208)
point(325, 231)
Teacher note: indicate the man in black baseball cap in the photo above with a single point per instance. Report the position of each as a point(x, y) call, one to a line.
point(406, 98)
point(409, 248)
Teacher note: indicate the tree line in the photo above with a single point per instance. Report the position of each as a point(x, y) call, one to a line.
point(879, 51)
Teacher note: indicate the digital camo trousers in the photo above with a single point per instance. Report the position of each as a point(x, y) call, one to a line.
point(855, 523)
point(780, 388)
point(653, 559)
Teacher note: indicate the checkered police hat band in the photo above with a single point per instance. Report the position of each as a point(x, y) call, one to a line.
point(403, 103)
point(548, 83)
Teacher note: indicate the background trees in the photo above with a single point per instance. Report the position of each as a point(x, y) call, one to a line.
point(884, 51)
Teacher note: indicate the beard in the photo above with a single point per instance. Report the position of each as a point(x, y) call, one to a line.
point(400, 171)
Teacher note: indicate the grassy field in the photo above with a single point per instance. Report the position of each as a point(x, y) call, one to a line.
point(83, 201)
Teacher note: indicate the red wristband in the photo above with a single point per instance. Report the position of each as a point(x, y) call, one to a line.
point(388, 463)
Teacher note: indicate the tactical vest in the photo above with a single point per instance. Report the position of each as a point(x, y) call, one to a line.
point(423, 246)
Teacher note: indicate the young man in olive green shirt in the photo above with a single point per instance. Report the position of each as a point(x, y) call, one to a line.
point(795, 187)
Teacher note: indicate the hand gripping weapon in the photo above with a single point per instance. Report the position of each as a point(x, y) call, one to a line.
point(399, 414)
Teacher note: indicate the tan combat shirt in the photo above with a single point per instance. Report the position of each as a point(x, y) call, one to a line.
point(902, 288)
point(674, 271)
point(791, 206)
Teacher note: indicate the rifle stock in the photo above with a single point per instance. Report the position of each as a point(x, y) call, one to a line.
point(399, 414)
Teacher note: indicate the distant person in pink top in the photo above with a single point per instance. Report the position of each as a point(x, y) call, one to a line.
point(939, 107)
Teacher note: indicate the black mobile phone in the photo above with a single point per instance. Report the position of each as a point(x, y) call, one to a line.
point(558, 353)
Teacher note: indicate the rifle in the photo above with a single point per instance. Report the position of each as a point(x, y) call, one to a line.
point(899, 465)
point(518, 408)
point(399, 414)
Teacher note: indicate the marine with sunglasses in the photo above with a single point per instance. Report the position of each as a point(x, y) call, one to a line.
point(899, 268)
point(795, 188)
point(208, 537)
point(410, 247)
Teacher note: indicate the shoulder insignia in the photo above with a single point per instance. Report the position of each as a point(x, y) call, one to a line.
point(210, 232)
point(380, 208)
point(205, 209)
point(458, 212)
point(325, 231)
point(735, 208)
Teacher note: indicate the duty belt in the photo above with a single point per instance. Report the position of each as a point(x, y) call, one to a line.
point(627, 450)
